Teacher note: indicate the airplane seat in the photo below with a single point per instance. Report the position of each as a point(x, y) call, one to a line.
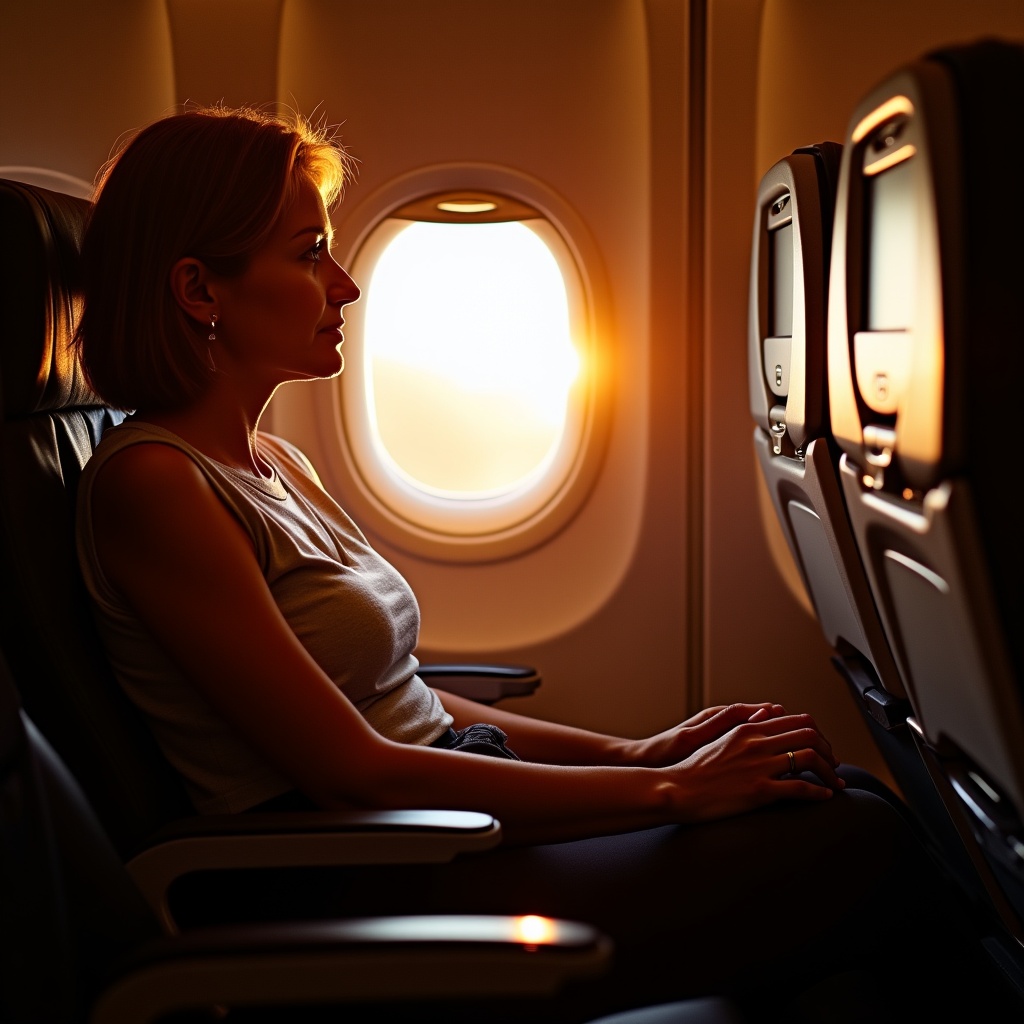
point(79, 936)
point(788, 385)
point(925, 332)
point(51, 423)
point(789, 402)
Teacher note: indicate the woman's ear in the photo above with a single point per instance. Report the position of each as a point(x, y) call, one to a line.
point(189, 286)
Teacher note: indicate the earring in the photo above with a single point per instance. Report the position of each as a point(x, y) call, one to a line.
point(213, 337)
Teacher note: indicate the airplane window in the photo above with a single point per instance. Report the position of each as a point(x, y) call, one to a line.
point(467, 400)
point(467, 356)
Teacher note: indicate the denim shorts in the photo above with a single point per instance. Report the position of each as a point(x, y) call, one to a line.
point(484, 739)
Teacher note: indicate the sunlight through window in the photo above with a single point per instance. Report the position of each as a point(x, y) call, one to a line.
point(469, 360)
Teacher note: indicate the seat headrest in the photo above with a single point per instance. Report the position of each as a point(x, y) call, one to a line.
point(40, 300)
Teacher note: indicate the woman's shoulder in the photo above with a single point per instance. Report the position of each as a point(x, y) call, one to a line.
point(133, 442)
point(145, 440)
point(133, 449)
point(133, 460)
point(139, 465)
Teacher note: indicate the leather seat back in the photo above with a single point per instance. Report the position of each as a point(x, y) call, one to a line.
point(51, 422)
point(926, 358)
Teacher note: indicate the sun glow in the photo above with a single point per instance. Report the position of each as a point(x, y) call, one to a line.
point(469, 357)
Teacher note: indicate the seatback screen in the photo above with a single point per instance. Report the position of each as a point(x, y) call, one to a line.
point(892, 249)
point(780, 272)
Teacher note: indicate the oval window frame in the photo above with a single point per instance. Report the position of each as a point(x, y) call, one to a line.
point(487, 528)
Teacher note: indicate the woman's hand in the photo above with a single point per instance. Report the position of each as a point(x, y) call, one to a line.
point(679, 742)
point(754, 764)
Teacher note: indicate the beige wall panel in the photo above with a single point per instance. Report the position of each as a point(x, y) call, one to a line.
point(555, 90)
point(75, 76)
point(225, 51)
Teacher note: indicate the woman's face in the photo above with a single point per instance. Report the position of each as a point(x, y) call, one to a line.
point(281, 318)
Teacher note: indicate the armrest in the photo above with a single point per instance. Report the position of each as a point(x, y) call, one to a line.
point(360, 960)
point(486, 684)
point(294, 839)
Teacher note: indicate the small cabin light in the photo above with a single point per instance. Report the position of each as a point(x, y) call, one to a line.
point(535, 930)
point(467, 206)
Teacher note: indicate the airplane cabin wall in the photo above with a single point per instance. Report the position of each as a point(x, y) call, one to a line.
point(665, 591)
point(75, 76)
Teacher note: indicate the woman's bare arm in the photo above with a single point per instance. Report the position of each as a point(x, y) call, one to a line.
point(551, 743)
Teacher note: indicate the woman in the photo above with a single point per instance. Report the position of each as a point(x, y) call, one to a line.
point(271, 649)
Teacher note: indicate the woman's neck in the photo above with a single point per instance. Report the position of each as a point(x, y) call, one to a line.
point(220, 427)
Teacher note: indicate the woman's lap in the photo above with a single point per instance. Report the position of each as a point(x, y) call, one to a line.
point(628, 882)
point(761, 905)
point(767, 902)
point(690, 909)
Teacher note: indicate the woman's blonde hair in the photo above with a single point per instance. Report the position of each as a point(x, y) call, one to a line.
point(208, 183)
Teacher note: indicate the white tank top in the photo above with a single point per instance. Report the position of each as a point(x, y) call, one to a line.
point(349, 607)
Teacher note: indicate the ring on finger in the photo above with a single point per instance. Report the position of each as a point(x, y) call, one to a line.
point(792, 761)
